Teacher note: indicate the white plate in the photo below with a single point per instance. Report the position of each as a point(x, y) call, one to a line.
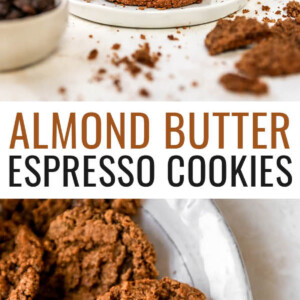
point(102, 11)
point(194, 245)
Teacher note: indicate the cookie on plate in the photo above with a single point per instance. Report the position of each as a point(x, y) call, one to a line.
point(158, 3)
point(165, 288)
point(89, 251)
point(21, 263)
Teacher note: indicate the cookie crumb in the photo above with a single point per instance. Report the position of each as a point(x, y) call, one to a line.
point(102, 71)
point(149, 76)
point(131, 66)
point(117, 84)
point(240, 84)
point(265, 8)
point(90, 36)
point(143, 37)
point(293, 9)
point(116, 46)
point(144, 57)
point(144, 93)
point(62, 90)
point(171, 37)
point(245, 11)
point(93, 54)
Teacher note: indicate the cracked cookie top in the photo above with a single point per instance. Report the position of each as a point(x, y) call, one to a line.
point(89, 251)
point(21, 262)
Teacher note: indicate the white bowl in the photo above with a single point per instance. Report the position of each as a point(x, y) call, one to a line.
point(30, 39)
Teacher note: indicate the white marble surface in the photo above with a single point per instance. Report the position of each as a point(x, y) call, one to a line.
point(268, 232)
point(174, 74)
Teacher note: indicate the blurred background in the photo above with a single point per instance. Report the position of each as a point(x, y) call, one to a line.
point(268, 233)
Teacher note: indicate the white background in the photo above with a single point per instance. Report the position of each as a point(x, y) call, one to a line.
point(268, 233)
point(156, 148)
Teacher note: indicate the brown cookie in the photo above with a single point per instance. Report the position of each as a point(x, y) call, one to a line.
point(88, 252)
point(273, 57)
point(39, 213)
point(165, 288)
point(234, 34)
point(157, 3)
point(124, 206)
point(287, 29)
point(21, 263)
point(241, 84)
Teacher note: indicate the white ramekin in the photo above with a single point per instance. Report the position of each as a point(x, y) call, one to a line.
point(30, 39)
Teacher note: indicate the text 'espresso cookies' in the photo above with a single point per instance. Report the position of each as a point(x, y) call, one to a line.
point(139, 149)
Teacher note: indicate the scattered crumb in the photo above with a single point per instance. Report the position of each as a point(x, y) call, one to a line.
point(90, 36)
point(240, 84)
point(144, 57)
point(102, 71)
point(171, 37)
point(245, 11)
point(143, 37)
point(265, 8)
point(131, 66)
point(195, 84)
point(144, 93)
point(117, 84)
point(93, 54)
point(116, 46)
point(149, 76)
point(62, 90)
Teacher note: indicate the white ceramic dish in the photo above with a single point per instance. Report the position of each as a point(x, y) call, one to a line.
point(102, 11)
point(194, 245)
point(28, 40)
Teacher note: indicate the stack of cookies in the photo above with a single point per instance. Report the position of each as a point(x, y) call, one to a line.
point(79, 249)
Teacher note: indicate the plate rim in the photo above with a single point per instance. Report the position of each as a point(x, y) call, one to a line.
point(237, 248)
point(109, 13)
point(187, 205)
